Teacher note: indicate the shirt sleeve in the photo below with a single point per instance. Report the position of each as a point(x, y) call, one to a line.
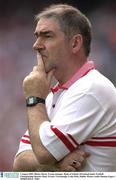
point(24, 143)
point(75, 122)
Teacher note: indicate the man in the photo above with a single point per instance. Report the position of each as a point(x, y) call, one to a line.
point(80, 111)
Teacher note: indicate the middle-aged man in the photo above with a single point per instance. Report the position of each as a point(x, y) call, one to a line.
point(80, 112)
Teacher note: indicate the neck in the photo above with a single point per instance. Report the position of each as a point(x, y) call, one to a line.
point(64, 73)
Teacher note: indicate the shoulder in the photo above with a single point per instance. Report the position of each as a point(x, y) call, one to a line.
point(95, 85)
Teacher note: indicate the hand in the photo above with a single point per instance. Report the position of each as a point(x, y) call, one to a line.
point(38, 82)
point(73, 162)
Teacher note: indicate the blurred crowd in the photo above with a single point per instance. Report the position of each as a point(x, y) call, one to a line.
point(104, 40)
point(17, 59)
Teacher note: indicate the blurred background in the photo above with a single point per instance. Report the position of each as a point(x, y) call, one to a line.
point(17, 58)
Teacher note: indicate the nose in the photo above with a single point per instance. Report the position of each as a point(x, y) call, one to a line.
point(35, 45)
point(38, 45)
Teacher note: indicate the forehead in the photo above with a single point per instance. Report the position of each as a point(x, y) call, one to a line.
point(47, 24)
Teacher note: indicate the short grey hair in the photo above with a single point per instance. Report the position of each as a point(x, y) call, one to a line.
point(71, 20)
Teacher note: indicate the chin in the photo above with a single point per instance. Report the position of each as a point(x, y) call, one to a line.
point(48, 69)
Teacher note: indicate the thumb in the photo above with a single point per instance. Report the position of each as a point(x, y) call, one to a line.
point(87, 154)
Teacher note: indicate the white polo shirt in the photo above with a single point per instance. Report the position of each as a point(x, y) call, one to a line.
point(82, 114)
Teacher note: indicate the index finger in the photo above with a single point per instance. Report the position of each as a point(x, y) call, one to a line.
point(40, 63)
point(82, 153)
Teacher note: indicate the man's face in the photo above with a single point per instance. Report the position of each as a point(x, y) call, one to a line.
point(51, 43)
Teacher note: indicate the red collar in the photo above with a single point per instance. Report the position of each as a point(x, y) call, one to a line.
point(88, 66)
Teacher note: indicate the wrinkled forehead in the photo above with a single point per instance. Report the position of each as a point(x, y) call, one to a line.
point(48, 24)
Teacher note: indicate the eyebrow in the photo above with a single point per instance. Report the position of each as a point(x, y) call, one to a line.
point(42, 33)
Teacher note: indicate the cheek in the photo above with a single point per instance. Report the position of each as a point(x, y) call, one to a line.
point(57, 50)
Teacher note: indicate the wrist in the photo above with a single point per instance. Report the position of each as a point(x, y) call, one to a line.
point(33, 101)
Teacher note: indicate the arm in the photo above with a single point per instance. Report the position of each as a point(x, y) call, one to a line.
point(26, 161)
point(37, 114)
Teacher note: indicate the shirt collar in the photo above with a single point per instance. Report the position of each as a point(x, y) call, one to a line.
point(89, 65)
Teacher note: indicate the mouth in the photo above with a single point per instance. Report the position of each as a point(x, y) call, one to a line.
point(42, 55)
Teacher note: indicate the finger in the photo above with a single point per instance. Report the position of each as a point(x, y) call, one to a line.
point(35, 68)
point(82, 153)
point(77, 166)
point(70, 169)
point(81, 159)
point(40, 63)
point(87, 154)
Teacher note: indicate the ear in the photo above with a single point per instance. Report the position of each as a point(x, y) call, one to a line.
point(77, 43)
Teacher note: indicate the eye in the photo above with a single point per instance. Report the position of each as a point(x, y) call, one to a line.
point(48, 35)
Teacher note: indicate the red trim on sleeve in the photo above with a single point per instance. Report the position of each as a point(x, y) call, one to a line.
point(74, 141)
point(100, 138)
point(103, 143)
point(27, 136)
point(25, 141)
point(95, 141)
point(63, 138)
